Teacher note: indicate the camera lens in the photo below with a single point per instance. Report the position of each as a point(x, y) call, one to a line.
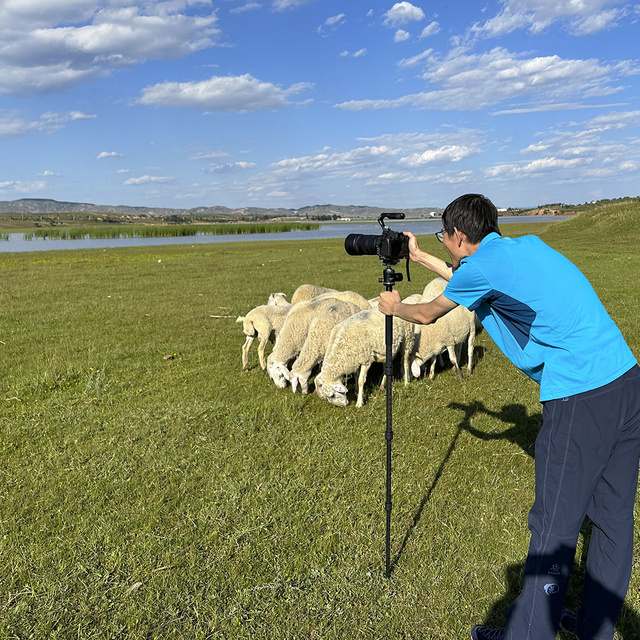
point(359, 244)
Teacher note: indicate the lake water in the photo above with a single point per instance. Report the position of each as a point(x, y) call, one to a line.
point(17, 243)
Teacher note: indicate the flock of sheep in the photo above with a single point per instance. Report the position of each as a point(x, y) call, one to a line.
point(343, 333)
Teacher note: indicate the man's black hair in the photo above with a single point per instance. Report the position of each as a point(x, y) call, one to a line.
point(473, 214)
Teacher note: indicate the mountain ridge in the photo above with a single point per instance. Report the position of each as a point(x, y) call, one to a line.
point(44, 206)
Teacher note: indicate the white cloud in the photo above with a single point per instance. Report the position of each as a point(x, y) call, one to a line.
point(580, 17)
point(209, 155)
point(407, 63)
point(250, 6)
point(430, 30)
point(23, 187)
point(109, 154)
point(334, 20)
point(237, 94)
point(147, 180)
point(355, 54)
point(449, 152)
point(472, 81)
point(282, 5)
point(401, 36)
point(13, 125)
point(51, 46)
point(231, 167)
point(403, 13)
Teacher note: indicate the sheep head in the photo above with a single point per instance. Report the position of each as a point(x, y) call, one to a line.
point(279, 373)
point(335, 393)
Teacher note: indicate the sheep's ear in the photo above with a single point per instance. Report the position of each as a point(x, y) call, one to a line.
point(286, 373)
point(415, 368)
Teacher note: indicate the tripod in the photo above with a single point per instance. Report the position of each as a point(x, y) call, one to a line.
point(389, 278)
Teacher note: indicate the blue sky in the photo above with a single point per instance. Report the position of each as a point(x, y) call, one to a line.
point(289, 103)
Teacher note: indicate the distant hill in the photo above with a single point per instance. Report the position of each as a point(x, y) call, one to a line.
point(43, 206)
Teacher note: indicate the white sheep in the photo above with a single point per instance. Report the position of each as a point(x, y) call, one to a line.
point(294, 331)
point(356, 343)
point(278, 299)
point(309, 291)
point(265, 323)
point(449, 333)
point(315, 345)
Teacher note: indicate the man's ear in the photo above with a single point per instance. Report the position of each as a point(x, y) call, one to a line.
point(460, 236)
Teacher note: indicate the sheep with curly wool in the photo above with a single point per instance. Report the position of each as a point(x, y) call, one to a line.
point(296, 327)
point(355, 344)
point(264, 322)
point(315, 346)
point(309, 291)
point(278, 299)
point(448, 333)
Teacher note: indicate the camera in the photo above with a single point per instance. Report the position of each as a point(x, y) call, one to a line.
point(391, 246)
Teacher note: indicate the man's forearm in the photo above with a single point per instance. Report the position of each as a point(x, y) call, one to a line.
point(438, 266)
point(425, 312)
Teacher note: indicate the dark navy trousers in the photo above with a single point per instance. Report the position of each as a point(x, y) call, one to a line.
point(586, 464)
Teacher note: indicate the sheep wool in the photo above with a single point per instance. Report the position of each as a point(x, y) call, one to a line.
point(315, 345)
point(295, 329)
point(355, 344)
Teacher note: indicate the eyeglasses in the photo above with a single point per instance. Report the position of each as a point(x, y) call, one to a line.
point(440, 235)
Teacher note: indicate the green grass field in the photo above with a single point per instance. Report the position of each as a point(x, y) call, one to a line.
point(144, 497)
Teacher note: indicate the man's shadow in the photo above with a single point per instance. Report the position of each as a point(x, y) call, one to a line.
point(627, 625)
point(523, 433)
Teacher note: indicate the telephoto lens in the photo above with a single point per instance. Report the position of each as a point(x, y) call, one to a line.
point(359, 244)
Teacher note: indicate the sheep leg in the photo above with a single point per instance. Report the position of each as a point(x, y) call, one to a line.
point(454, 360)
point(470, 344)
point(245, 352)
point(261, 348)
point(432, 368)
point(362, 378)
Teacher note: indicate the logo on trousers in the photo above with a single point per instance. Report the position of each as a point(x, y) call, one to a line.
point(551, 589)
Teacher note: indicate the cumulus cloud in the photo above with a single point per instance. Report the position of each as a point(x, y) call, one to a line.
point(467, 81)
point(401, 14)
point(577, 151)
point(51, 46)
point(401, 35)
point(579, 18)
point(237, 94)
point(147, 179)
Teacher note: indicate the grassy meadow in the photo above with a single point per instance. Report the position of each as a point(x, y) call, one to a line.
point(149, 488)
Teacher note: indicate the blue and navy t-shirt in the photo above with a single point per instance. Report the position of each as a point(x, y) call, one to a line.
point(543, 314)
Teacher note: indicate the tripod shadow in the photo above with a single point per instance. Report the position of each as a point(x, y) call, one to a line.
point(523, 433)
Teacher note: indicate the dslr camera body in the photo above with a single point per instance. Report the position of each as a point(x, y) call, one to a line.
point(391, 246)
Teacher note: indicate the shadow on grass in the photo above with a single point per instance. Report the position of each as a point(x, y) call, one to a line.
point(628, 623)
point(523, 433)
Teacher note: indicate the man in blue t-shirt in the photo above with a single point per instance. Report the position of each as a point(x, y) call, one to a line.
point(546, 318)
